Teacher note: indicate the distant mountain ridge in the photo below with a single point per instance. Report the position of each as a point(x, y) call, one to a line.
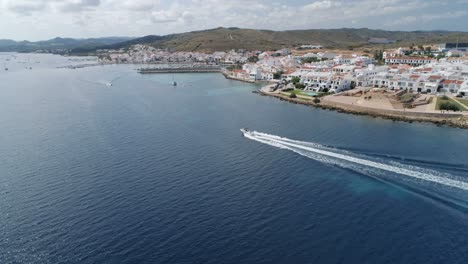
point(222, 39)
point(57, 44)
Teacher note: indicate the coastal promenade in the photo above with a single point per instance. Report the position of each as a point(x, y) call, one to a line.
point(454, 119)
point(179, 70)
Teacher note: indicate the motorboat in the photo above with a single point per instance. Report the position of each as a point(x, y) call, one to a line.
point(245, 131)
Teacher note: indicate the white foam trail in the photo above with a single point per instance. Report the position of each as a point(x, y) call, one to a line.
point(290, 144)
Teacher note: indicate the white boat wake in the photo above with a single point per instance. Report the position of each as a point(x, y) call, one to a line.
point(351, 160)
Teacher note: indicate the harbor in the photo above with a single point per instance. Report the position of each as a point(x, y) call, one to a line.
point(204, 69)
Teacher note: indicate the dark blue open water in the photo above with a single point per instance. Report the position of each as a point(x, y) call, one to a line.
point(143, 172)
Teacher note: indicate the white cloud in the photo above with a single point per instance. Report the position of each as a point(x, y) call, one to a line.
point(28, 18)
point(321, 5)
point(409, 20)
point(26, 7)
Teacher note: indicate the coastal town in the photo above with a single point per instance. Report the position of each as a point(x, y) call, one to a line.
point(426, 79)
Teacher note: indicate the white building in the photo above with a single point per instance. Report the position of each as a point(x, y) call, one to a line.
point(413, 61)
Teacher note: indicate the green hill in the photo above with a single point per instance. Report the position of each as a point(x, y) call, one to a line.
point(220, 39)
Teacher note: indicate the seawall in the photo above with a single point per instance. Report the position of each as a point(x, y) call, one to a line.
point(449, 119)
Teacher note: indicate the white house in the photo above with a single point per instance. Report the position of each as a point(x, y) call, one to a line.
point(463, 89)
point(451, 86)
point(413, 61)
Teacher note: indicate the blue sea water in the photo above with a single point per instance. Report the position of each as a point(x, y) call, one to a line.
point(143, 172)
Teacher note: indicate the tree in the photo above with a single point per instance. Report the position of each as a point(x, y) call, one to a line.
point(292, 95)
point(428, 50)
point(253, 59)
point(309, 60)
point(378, 56)
point(450, 106)
point(295, 79)
point(300, 86)
point(277, 75)
point(316, 101)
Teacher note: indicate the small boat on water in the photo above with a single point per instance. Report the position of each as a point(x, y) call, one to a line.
point(245, 131)
point(6, 69)
point(174, 83)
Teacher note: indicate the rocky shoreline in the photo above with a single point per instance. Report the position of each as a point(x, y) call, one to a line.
point(447, 119)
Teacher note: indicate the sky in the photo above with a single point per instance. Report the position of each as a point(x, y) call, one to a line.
point(45, 19)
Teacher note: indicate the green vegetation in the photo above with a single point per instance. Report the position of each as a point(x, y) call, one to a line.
point(292, 95)
point(447, 104)
point(378, 56)
point(300, 86)
point(219, 39)
point(295, 80)
point(407, 97)
point(298, 92)
point(253, 59)
point(316, 101)
point(312, 59)
point(277, 75)
point(463, 101)
point(428, 51)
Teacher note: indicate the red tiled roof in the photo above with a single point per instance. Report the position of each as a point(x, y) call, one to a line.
point(424, 70)
point(452, 81)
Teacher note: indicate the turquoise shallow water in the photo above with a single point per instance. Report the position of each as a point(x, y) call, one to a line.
point(144, 172)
